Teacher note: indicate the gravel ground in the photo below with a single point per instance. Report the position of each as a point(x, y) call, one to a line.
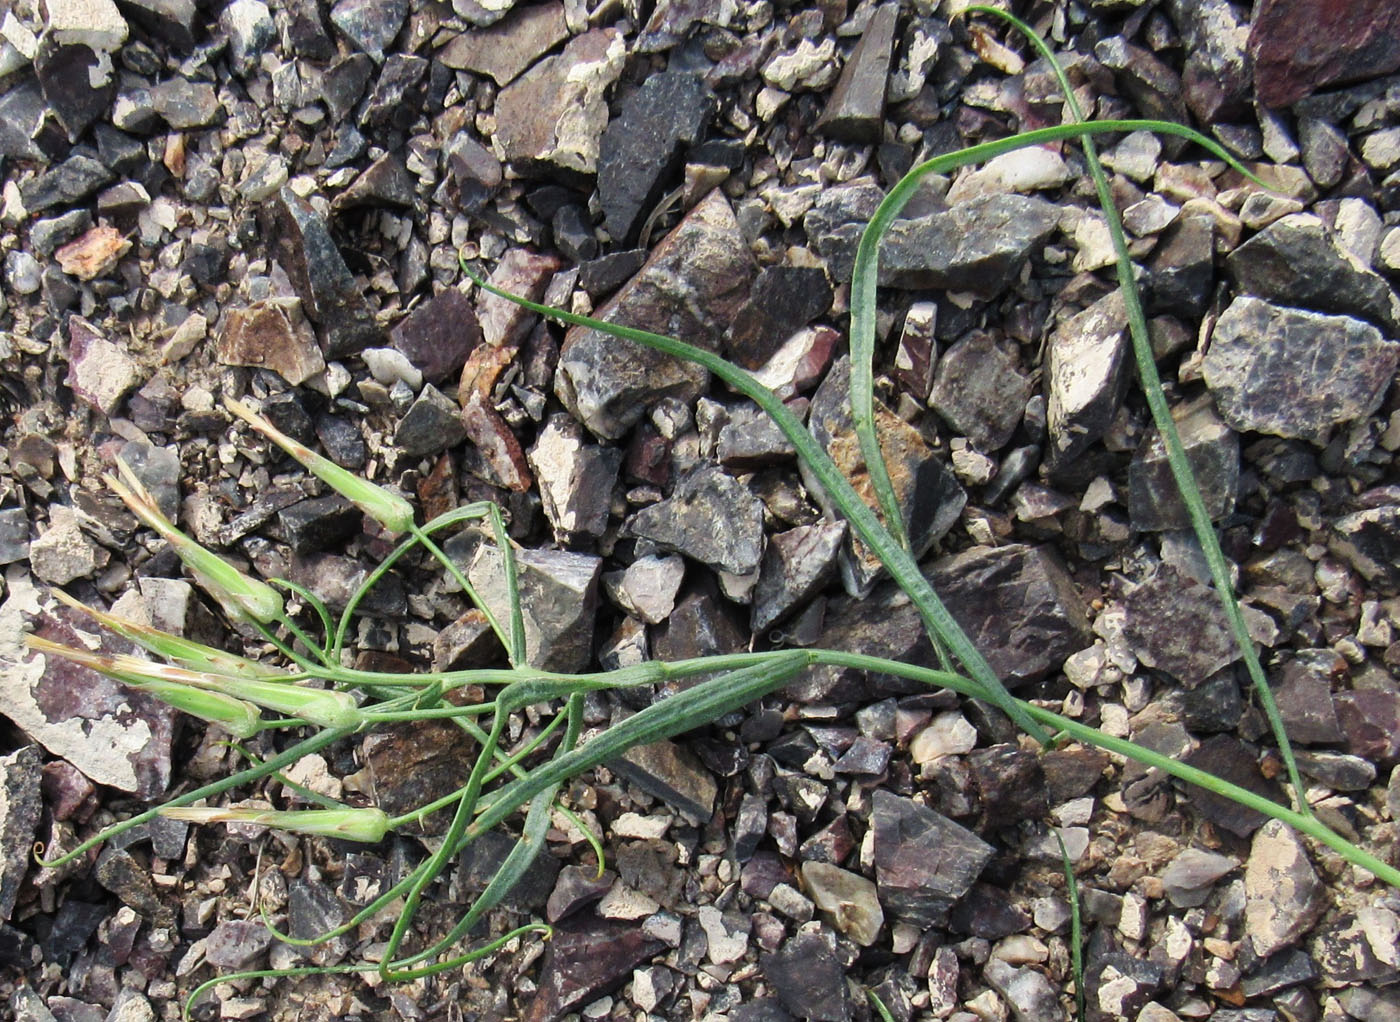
point(268, 201)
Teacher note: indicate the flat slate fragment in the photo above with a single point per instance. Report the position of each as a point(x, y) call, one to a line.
point(559, 599)
point(20, 803)
point(585, 958)
point(1299, 374)
point(711, 517)
point(853, 112)
point(671, 773)
point(924, 862)
point(1168, 606)
point(808, 978)
point(1369, 540)
point(1213, 452)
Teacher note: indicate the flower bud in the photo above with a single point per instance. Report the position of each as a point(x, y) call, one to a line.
point(384, 506)
point(240, 596)
point(368, 825)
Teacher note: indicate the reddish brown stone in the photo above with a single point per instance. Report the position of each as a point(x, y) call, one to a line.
point(1299, 46)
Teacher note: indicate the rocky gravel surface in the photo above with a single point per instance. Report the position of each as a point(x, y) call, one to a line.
point(268, 200)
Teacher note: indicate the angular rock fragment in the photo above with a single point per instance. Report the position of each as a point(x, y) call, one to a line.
point(978, 246)
point(20, 803)
point(1299, 262)
point(796, 566)
point(1183, 266)
point(384, 183)
point(849, 898)
point(370, 26)
point(114, 735)
point(1303, 693)
point(673, 774)
point(329, 295)
point(271, 334)
point(647, 589)
point(1192, 874)
point(100, 372)
point(65, 184)
point(642, 147)
point(784, 299)
point(853, 112)
point(586, 958)
point(503, 456)
point(1017, 604)
point(1298, 47)
point(980, 390)
point(559, 599)
point(1216, 78)
point(1149, 83)
point(411, 764)
point(319, 523)
point(1295, 374)
point(928, 494)
point(1085, 378)
point(1213, 452)
point(1369, 541)
point(808, 978)
point(236, 943)
point(398, 94)
point(576, 479)
point(1358, 946)
point(924, 862)
point(432, 424)
point(1031, 996)
point(508, 47)
point(710, 517)
point(438, 336)
point(1230, 759)
point(555, 113)
point(695, 282)
point(1159, 611)
point(1370, 722)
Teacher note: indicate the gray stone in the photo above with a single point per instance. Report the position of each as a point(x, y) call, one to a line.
point(1298, 261)
point(235, 943)
point(20, 803)
point(797, 564)
point(1147, 82)
point(1182, 267)
point(1217, 76)
point(749, 440)
point(553, 116)
point(1085, 378)
point(1283, 895)
point(853, 112)
point(1191, 876)
point(1213, 452)
point(576, 478)
point(924, 862)
point(64, 184)
point(1031, 996)
point(370, 25)
point(642, 147)
point(398, 93)
point(1303, 692)
point(1337, 770)
point(1356, 947)
point(1159, 611)
point(648, 587)
point(23, 124)
point(559, 598)
point(1325, 152)
point(329, 294)
point(673, 774)
point(184, 104)
point(62, 552)
point(1369, 541)
point(978, 246)
point(248, 24)
point(385, 183)
point(848, 898)
point(1228, 758)
point(694, 283)
point(1296, 374)
point(14, 535)
point(432, 424)
point(22, 272)
point(710, 517)
point(507, 48)
point(980, 390)
point(1017, 604)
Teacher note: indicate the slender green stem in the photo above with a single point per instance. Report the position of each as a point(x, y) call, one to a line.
point(1196, 510)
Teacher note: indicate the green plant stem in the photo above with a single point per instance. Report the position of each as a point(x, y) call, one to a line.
point(1190, 492)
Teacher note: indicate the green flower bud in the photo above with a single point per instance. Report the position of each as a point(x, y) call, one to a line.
point(384, 506)
point(240, 596)
point(368, 825)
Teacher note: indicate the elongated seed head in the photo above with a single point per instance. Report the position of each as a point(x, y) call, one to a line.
point(368, 825)
point(384, 506)
point(320, 706)
point(241, 596)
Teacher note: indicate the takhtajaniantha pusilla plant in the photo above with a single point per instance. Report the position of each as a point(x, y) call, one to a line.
point(519, 785)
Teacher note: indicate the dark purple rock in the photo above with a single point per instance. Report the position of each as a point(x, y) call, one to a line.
point(1230, 759)
point(750, 826)
point(344, 82)
point(671, 773)
point(342, 440)
point(642, 147)
point(271, 334)
point(1370, 722)
point(695, 281)
point(1151, 85)
point(1303, 692)
point(574, 888)
point(1369, 541)
point(924, 862)
point(482, 860)
point(1163, 609)
point(710, 517)
point(1325, 152)
point(75, 922)
point(853, 113)
point(1182, 266)
point(784, 299)
point(235, 943)
point(408, 765)
point(438, 335)
point(808, 978)
point(384, 183)
point(1010, 783)
point(1346, 952)
point(988, 912)
point(980, 390)
point(1297, 261)
point(1212, 451)
point(432, 424)
point(1018, 604)
point(796, 565)
point(1118, 985)
point(866, 757)
point(1299, 47)
point(131, 882)
point(584, 959)
point(319, 523)
point(77, 81)
point(507, 48)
